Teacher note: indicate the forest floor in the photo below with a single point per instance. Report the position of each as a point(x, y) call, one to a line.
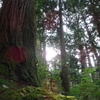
point(10, 90)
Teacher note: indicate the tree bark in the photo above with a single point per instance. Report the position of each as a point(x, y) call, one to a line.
point(64, 73)
point(95, 13)
point(82, 57)
point(93, 46)
point(18, 27)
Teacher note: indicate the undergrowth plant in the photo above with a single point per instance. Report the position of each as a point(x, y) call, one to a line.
point(88, 89)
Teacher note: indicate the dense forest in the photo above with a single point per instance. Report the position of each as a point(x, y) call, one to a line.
point(29, 28)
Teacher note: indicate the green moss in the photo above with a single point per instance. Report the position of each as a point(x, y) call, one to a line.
point(11, 95)
point(4, 70)
point(71, 98)
point(7, 68)
point(28, 93)
point(9, 83)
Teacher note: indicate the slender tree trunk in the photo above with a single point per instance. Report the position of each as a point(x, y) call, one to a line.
point(89, 62)
point(96, 13)
point(82, 57)
point(64, 73)
point(81, 47)
point(93, 47)
point(44, 47)
point(90, 36)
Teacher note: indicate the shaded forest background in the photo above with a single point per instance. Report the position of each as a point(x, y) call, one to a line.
point(70, 27)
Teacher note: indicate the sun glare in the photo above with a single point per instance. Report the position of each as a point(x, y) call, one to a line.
point(50, 53)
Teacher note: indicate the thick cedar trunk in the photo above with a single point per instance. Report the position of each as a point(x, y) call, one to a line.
point(17, 27)
point(64, 73)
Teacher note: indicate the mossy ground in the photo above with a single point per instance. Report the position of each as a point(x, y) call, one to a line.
point(19, 91)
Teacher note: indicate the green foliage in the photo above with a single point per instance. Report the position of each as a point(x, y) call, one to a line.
point(28, 92)
point(90, 69)
point(31, 93)
point(11, 95)
point(7, 68)
point(8, 93)
point(4, 67)
point(87, 89)
point(6, 82)
point(42, 71)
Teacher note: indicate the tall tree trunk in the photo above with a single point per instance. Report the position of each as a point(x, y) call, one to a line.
point(44, 47)
point(64, 73)
point(80, 44)
point(89, 62)
point(95, 13)
point(93, 46)
point(82, 57)
point(18, 27)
